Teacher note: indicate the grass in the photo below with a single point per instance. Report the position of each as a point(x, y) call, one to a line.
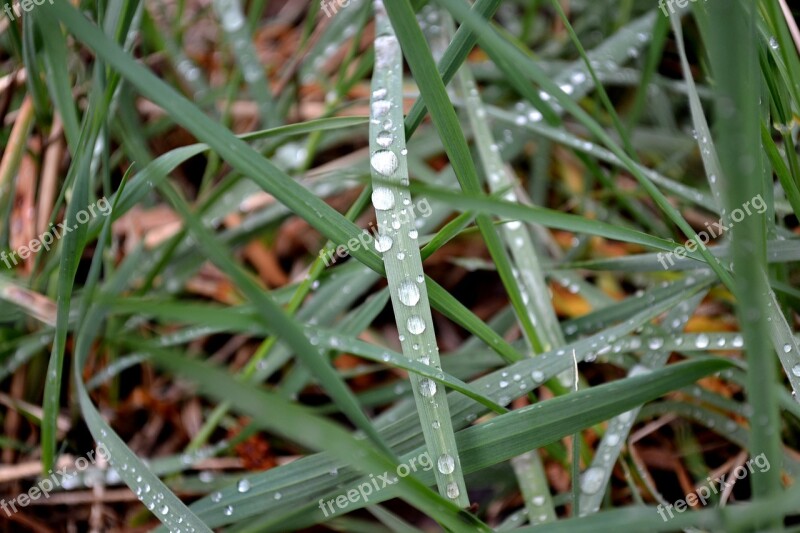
point(520, 332)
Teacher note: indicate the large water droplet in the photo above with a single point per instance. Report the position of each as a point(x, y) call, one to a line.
point(243, 485)
point(446, 464)
point(796, 370)
point(415, 325)
point(787, 348)
point(538, 500)
point(382, 198)
point(427, 387)
point(592, 480)
point(228, 510)
point(384, 162)
point(383, 243)
point(164, 510)
point(408, 292)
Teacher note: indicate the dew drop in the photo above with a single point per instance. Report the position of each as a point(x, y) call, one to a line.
point(228, 510)
point(380, 107)
point(446, 464)
point(385, 139)
point(415, 325)
point(655, 343)
point(385, 163)
point(243, 485)
point(413, 234)
point(592, 480)
point(702, 341)
point(408, 292)
point(382, 197)
point(452, 491)
point(796, 370)
point(164, 510)
point(383, 243)
point(216, 497)
point(538, 376)
point(538, 500)
point(427, 387)
point(787, 348)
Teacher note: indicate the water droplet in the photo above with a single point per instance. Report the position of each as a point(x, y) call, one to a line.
point(228, 510)
point(787, 348)
point(538, 376)
point(446, 464)
point(385, 139)
point(738, 341)
point(164, 510)
point(655, 343)
point(380, 107)
point(612, 439)
point(216, 497)
point(538, 500)
point(702, 341)
point(401, 256)
point(243, 485)
point(435, 424)
point(592, 480)
point(796, 370)
point(413, 234)
point(427, 387)
point(382, 197)
point(420, 278)
point(383, 243)
point(773, 43)
point(452, 491)
point(277, 496)
point(415, 325)
point(408, 292)
point(385, 163)
point(380, 94)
